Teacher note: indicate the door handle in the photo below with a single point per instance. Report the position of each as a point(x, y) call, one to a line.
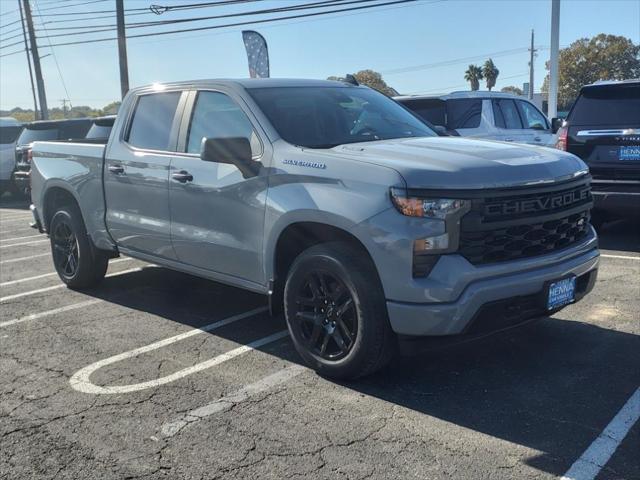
point(537, 139)
point(182, 176)
point(508, 139)
point(116, 169)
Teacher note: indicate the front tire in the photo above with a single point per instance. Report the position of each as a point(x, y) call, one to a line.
point(336, 312)
point(78, 263)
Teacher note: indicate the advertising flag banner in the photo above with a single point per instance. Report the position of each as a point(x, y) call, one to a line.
point(257, 54)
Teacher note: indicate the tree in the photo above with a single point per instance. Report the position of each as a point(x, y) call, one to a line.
point(473, 75)
point(490, 72)
point(512, 89)
point(587, 60)
point(372, 79)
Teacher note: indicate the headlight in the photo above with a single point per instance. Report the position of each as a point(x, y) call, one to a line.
point(440, 208)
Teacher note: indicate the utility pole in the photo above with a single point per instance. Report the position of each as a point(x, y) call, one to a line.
point(533, 52)
point(122, 48)
point(552, 109)
point(44, 111)
point(64, 106)
point(26, 51)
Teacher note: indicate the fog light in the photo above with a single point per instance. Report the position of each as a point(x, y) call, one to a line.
point(424, 245)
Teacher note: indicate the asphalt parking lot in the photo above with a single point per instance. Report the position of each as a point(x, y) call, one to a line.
point(156, 374)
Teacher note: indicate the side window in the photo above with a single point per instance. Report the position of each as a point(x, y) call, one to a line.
point(532, 117)
point(215, 115)
point(506, 114)
point(152, 121)
point(464, 113)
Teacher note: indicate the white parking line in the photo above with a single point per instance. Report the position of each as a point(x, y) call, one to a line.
point(51, 274)
point(62, 285)
point(14, 260)
point(19, 238)
point(25, 219)
point(169, 429)
point(46, 240)
point(623, 257)
point(600, 451)
point(36, 316)
point(80, 380)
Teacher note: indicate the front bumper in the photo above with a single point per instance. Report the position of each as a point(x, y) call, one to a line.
point(518, 296)
point(617, 198)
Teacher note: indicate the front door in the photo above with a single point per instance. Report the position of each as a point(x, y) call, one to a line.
point(217, 215)
point(508, 123)
point(136, 177)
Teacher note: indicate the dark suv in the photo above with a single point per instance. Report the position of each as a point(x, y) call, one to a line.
point(603, 129)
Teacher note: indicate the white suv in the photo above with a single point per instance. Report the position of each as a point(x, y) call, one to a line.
point(490, 115)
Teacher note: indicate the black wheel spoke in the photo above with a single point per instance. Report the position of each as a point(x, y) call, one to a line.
point(337, 336)
point(345, 330)
point(342, 309)
point(325, 342)
point(315, 288)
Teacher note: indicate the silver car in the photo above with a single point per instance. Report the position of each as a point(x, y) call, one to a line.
point(488, 115)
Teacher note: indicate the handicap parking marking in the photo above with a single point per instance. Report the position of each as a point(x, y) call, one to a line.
point(24, 259)
point(226, 402)
point(600, 451)
point(81, 382)
point(62, 285)
point(52, 274)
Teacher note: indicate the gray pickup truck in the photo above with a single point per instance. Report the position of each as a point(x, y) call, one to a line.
point(332, 199)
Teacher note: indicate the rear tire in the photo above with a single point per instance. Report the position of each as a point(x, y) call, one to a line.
point(336, 312)
point(78, 263)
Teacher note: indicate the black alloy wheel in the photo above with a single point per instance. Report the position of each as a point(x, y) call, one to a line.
point(326, 315)
point(66, 254)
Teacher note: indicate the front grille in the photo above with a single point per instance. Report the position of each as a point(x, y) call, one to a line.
point(516, 225)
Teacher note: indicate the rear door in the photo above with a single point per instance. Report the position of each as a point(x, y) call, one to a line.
point(464, 115)
point(604, 130)
point(136, 175)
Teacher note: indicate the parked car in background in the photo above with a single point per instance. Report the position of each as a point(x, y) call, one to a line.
point(93, 130)
point(603, 129)
point(487, 115)
point(334, 201)
point(9, 131)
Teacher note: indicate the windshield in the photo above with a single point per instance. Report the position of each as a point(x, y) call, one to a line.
point(328, 116)
point(9, 134)
point(28, 135)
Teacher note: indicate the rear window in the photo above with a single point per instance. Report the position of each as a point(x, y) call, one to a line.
point(29, 135)
point(98, 131)
point(464, 113)
point(9, 134)
point(75, 129)
point(432, 109)
point(612, 105)
point(152, 121)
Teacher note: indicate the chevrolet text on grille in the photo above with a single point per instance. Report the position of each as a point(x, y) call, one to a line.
point(548, 202)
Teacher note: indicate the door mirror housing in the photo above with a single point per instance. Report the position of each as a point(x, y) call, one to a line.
point(441, 131)
point(233, 150)
point(556, 123)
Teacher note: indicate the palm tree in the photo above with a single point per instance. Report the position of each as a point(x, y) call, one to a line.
point(490, 73)
point(473, 75)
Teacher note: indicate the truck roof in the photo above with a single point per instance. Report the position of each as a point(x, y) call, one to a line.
point(460, 94)
point(249, 83)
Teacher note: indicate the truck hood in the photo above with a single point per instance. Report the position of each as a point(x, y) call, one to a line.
point(463, 163)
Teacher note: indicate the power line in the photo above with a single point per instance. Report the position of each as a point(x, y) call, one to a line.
point(214, 27)
point(252, 22)
point(147, 10)
point(304, 6)
point(72, 5)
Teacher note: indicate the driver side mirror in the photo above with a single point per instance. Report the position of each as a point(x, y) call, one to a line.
point(556, 124)
point(233, 150)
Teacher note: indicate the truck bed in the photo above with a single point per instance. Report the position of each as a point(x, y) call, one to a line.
point(76, 167)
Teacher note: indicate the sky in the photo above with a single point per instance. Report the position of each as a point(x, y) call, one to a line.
point(421, 47)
